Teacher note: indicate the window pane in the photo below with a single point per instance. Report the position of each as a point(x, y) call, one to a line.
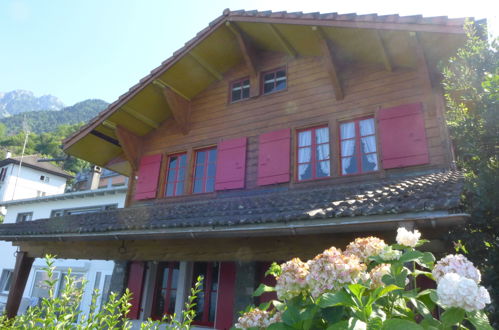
point(349, 165)
point(246, 92)
point(212, 155)
point(304, 138)
point(280, 85)
point(214, 277)
point(213, 306)
point(366, 126)
point(173, 162)
point(322, 169)
point(236, 95)
point(212, 168)
point(181, 174)
point(174, 284)
point(347, 130)
point(322, 152)
point(200, 155)
point(183, 160)
point(171, 307)
point(210, 184)
point(304, 171)
point(41, 289)
point(169, 189)
point(347, 147)
point(180, 188)
point(368, 144)
point(198, 186)
point(304, 155)
point(369, 163)
point(199, 172)
point(322, 135)
point(268, 87)
point(269, 77)
point(171, 175)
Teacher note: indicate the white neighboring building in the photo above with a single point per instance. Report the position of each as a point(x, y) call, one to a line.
point(109, 192)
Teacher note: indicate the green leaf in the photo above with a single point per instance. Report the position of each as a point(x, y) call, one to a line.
point(433, 296)
point(333, 299)
point(411, 256)
point(375, 323)
point(279, 326)
point(351, 324)
point(430, 324)
point(262, 288)
point(452, 316)
point(291, 315)
point(333, 314)
point(264, 306)
point(428, 259)
point(479, 320)
point(397, 324)
point(388, 289)
point(357, 290)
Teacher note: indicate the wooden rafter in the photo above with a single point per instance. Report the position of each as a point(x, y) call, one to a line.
point(383, 51)
point(284, 43)
point(140, 117)
point(329, 62)
point(162, 84)
point(207, 66)
point(421, 63)
point(179, 106)
point(247, 49)
point(109, 124)
point(131, 145)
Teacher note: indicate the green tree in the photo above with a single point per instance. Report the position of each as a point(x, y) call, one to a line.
point(471, 83)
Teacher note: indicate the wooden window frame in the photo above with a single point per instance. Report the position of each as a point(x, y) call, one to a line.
point(205, 171)
point(241, 80)
point(170, 266)
point(357, 138)
point(313, 158)
point(176, 181)
point(207, 295)
point(262, 80)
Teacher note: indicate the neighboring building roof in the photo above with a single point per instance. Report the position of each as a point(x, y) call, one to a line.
point(32, 161)
point(425, 197)
point(98, 127)
point(70, 195)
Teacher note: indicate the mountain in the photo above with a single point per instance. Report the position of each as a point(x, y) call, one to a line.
point(48, 121)
point(19, 101)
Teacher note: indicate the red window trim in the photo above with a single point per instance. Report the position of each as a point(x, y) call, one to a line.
point(358, 154)
point(207, 295)
point(205, 171)
point(170, 266)
point(235, 82)
point(262, 80)
point(175, 182)
point(313, 158)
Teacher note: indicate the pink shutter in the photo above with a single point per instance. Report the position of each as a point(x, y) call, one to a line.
point(274, 157)
point(226, 294)
point(147, 183)
point(231, 164)
point(135, 285)
point(402, 136)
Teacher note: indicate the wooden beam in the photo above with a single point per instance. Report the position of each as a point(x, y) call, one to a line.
point(421, 63)
point(246, 47)
point(284, 43)
point(383, 52)
point(18, 284)
point(109, 124)
point(329, 62)
point(105, 137)
point(131, 145)
point(140, 117)
point(162, 84)
point(180, 108)
point(207, 66)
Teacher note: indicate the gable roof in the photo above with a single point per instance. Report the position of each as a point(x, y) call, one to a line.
point(33, 161)
point(201, 62)
point(425, 198)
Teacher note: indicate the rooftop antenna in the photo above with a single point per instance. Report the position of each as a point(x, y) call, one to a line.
point(26, 132)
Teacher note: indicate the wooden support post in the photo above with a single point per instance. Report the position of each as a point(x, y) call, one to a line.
point(329, 62)
point(19, 279)
point(131, 144)
point(383, 52)
point(284, 43)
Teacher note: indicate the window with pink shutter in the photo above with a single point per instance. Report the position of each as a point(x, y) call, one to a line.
point(358, 146)
point(403, 136)
point(204, 170)
point(147, 182)
point(274, 157)
point(231, 164)
point(175, 174)
point(313, 160)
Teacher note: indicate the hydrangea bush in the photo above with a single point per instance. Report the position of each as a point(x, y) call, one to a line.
point(372, 285)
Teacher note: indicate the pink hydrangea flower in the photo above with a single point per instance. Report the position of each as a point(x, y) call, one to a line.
point(366, 247)
point(456, 263)
point(293, 279)
point(257, 319)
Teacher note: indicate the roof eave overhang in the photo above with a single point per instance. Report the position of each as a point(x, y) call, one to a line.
point(291, 228)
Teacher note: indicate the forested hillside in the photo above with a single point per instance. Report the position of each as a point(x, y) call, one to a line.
point(49, 121)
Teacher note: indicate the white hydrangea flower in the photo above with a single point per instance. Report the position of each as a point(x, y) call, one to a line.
point(388, 253)
point(457, 291)
point(407, 238)
point(376, 275)
point(257, 319)
point(456, 263)
point(365, 247)
point(293, 279)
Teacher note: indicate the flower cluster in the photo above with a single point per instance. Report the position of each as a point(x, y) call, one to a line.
point(455, 290)
point(331, 270)
point(388, 254)
point(456, 263)
point(257, 318)
point(407, 238)
point(293, 279)
point(366, 247)
point(376, 275)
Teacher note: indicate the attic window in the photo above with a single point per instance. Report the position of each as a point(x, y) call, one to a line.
point(240, 90)
point(44, 178)
point(274, 81)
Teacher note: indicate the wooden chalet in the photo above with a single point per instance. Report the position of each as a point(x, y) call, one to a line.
point(269, 135)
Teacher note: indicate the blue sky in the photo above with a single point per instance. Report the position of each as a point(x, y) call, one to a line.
point(83, 49)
